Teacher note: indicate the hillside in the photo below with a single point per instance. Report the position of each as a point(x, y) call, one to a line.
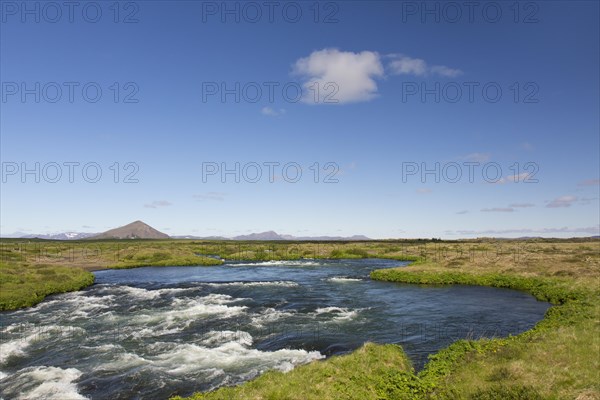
point(134, 230)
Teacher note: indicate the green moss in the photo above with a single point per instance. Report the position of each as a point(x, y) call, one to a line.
point(503, 392)
point(25, 286)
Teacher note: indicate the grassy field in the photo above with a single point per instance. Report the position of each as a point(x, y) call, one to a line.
point(33, 269)
point(22, 285)
point(558, 359)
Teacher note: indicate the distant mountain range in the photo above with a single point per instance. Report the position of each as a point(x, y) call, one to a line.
point(271, 235)
point(58, 236)
point(141, 230)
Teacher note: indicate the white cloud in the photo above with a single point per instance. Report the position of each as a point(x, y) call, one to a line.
point(424, 190)
point(463, 212)
point(331, 76)
point(442, 70)
point(158, 203)
point(408, 66)
point(498, 209)
point(341, 76)
point(404, 65)
point(214, 196)
point(563, 201)
point(271, 112)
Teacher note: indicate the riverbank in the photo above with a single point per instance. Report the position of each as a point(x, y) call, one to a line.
point(32, 269)
point(556, 359)
point(559, 358)
point(23, 285)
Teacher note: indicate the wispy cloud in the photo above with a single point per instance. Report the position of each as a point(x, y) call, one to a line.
point(442, 70)
point(477, 157)
point(271, 112)
point(563, 201)
point(526, 146)
point(462, 212)
point(424, 190)
point(158, 203)
point(522, 177)
point(210, 196)
point(590, 182)
point(402, 64)
point(592, 230)
point(521, 205)
point(498, 209)
point(342, 76)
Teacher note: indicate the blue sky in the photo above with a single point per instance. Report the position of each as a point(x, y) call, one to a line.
point(379, 66)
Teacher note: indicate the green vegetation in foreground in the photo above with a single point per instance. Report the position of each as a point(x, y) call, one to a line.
point(370, 372)
point(25, 285)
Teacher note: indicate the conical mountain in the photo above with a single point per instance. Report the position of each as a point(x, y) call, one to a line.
point(134, 230)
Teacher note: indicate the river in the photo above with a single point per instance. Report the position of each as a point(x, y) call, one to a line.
point(155, 332)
